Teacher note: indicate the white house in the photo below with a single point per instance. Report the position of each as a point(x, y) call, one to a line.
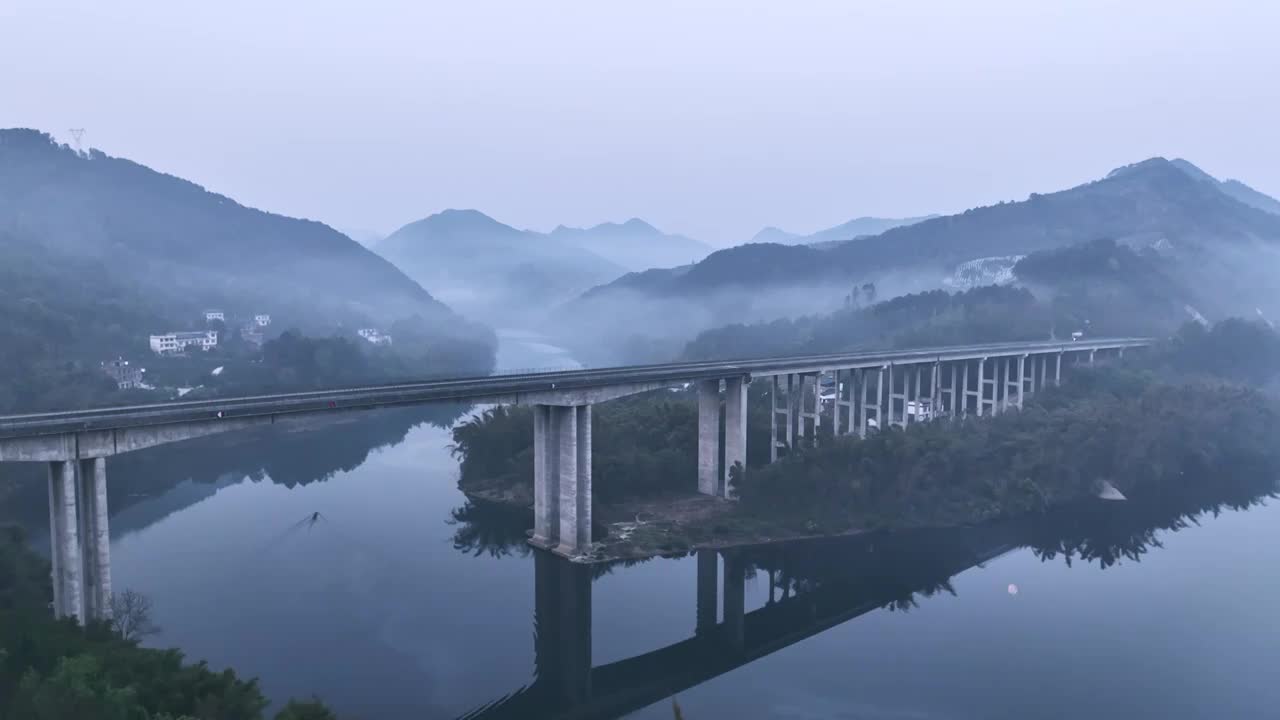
point(211, 315)
point(374, 336)
point(262, 320)
point(175, 342)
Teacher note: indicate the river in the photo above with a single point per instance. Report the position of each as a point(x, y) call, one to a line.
point(347, 574)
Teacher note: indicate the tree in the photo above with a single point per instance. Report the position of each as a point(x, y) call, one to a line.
point(131, 616)
point(311, 709)
point(76, 690)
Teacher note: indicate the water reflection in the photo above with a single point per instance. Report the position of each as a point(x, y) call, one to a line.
point(168, 478)
point(812, 586)
point(404, 599)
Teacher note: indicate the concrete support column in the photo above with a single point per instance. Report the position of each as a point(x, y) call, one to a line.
point(935, 387)
point(709, 437)
point(892, 394)
point(562, 478)
point(1092, 353)
point(837, 402)
point(784, 408)
point(795, 402)
point(1057, 370)
point(575, 479)
point(64, 532)
point(546, 477)
point(775, 390)
point(708, 594)
point(1022, 385)
point(735, 429)
point(865, 406)
point(734, 600)
point(95, 538)
point(1003, 371)
point(854, 381)
point(983, 384)
point(953, 410)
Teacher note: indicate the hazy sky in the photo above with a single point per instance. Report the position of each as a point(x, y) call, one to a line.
point(708, 118)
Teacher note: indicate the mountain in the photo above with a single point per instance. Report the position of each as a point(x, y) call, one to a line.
point(1099, 288)
point(1210, 235)
point(1234, 188)
point(858, 227)
point(634, 244)
point(491, 270)
point(98, 252)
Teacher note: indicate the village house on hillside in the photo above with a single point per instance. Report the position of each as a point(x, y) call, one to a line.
point(211, 315)
point(175, 342)
point(127, 376)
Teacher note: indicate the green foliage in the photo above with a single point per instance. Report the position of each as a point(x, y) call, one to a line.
point(642, 444)
point(1235, 350)
point(24, 576)
point(1108, 425)
point(986, 314)
point(77, 689)
point(311, 709)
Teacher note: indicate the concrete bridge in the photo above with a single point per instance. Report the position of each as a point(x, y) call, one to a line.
point(856, 392)
point(567, 685)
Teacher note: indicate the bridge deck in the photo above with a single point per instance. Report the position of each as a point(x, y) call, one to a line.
point(500, 388)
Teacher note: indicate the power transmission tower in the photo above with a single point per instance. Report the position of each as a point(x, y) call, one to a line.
point(78, 134)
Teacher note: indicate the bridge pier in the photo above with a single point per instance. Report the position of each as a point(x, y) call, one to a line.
point(64, 536)
point(562, 478)
point(712, 478)
point(735, 429)
point(709, 437)
point(80, 544)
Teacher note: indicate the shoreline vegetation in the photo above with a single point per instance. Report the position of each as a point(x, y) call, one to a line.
point(1186, 411)
point(54, 669)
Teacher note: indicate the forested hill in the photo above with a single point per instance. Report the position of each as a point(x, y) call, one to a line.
point(97, 253)
point(1098, 288)
point(190, 249)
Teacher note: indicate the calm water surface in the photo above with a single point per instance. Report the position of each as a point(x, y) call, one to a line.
point(387, 606)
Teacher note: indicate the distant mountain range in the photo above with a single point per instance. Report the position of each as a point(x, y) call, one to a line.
point(856, 228)
point(1218, 231)
point(505, 275)
point(635, 244)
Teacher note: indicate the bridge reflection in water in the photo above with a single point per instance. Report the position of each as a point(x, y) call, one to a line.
point(813, 586)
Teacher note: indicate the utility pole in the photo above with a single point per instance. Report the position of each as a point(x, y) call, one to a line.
point(78, 135)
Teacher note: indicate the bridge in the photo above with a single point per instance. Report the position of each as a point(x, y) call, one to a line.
point(856, 392)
